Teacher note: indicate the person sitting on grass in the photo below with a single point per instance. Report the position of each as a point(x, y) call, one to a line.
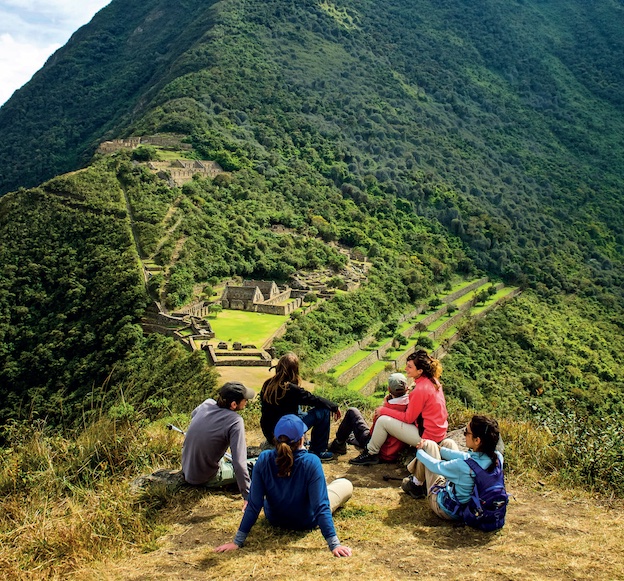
point(353, 429)
point(282, 395)
point(446, 474)
point(289, 484)
point(215, 426)
point(425, 416)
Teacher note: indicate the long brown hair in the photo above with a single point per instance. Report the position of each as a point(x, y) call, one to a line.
point(431, 368)
point(285, 455)
point(286, 371)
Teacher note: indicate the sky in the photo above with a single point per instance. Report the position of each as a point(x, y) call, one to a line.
point(31, 30)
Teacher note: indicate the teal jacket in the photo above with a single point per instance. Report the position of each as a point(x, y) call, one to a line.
point(459, 477)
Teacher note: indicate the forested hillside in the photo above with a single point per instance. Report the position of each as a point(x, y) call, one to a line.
point(434, 142)
point(437, 138)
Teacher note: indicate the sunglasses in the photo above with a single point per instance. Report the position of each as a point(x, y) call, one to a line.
point(466, 432)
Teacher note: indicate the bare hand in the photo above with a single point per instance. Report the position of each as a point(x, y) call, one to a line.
point(337, 415)
point(244, 505)
point(230, 547)
point(342, 551)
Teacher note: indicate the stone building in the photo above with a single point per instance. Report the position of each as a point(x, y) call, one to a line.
point(262, 297)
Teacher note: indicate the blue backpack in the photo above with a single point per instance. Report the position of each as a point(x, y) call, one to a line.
point(487, 506)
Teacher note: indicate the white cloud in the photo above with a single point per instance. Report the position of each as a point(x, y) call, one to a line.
point(31, 30)
point(19, 62)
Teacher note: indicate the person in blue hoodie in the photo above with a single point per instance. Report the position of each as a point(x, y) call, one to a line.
point(444, 470)
point(289, 483)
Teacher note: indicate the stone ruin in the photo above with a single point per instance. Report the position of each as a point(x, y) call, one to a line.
point(261, 297)
point(177, 171)
point(168, 141)
point(182, 171)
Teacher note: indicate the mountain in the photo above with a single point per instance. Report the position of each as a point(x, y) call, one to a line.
point(437, 138)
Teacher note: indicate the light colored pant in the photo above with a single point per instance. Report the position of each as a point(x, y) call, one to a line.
point(339, 492)
point(386, 426)
point(225, 474)
point(431, 478)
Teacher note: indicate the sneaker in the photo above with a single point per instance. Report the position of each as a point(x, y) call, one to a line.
point(323, 456)
point(365, 459)
point(414, 490)
point(338, 448)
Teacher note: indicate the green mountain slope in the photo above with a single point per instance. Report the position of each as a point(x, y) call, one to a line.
point(93, 86)
point(439, 138)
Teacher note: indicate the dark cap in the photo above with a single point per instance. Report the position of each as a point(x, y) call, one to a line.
point(397, 384)
point(235, 391)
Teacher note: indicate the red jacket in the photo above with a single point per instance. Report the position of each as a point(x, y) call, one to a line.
point(426, 409)
point(392, 446)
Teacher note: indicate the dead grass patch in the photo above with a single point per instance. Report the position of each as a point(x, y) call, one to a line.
point(549, 534)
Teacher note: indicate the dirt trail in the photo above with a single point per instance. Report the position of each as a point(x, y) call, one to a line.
point(550, 534)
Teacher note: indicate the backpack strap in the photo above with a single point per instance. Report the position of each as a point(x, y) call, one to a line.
point(474, 466)
point(475, 489)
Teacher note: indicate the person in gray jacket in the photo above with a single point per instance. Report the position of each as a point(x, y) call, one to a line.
point(215, 426)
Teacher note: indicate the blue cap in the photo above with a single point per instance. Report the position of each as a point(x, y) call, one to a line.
point(290, 426)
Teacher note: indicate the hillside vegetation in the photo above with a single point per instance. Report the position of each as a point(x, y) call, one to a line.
point(439, 140)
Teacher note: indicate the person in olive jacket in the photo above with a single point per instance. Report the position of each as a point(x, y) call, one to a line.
point(282, 395)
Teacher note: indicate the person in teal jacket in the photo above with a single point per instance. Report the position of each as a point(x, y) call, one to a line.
point(289, 483)
point(445, 471)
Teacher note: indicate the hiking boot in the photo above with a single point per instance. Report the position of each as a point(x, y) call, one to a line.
point(414, 490)
point(338, 448)
point(365, 459)
point(323, 456)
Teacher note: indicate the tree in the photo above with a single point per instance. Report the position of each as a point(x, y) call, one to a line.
point(451, 308)
point(435, 302)
point(400, 339)
point(481, 297)
point(425, 342)
point(145, 153)
point(215, 309)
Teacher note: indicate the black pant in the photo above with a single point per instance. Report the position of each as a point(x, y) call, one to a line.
point(353, 423)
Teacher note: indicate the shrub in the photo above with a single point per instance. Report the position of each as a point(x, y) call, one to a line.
point(425, 342)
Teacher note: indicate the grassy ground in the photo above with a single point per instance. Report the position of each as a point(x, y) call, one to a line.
point(351, 361)
point(361, 380)
point(245, 327)
point(550, 534)
point(67, 511)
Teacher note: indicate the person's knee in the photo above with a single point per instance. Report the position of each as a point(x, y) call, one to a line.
point(339, 492)
point(319, 418)
point(449, 443)
point(383, 421)
point(342, 483)
point(321, 415)
point(431, 448)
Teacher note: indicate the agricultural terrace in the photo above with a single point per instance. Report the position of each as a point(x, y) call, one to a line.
point(359, 382)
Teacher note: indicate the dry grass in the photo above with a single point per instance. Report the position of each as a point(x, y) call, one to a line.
point(550, 534)
point(56, 529)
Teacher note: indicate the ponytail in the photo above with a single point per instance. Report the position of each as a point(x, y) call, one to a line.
point(285, 455)
point(436, 368)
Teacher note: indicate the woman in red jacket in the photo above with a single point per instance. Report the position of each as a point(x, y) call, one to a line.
point(425, 416)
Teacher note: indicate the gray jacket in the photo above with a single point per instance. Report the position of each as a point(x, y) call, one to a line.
point(211, 432)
